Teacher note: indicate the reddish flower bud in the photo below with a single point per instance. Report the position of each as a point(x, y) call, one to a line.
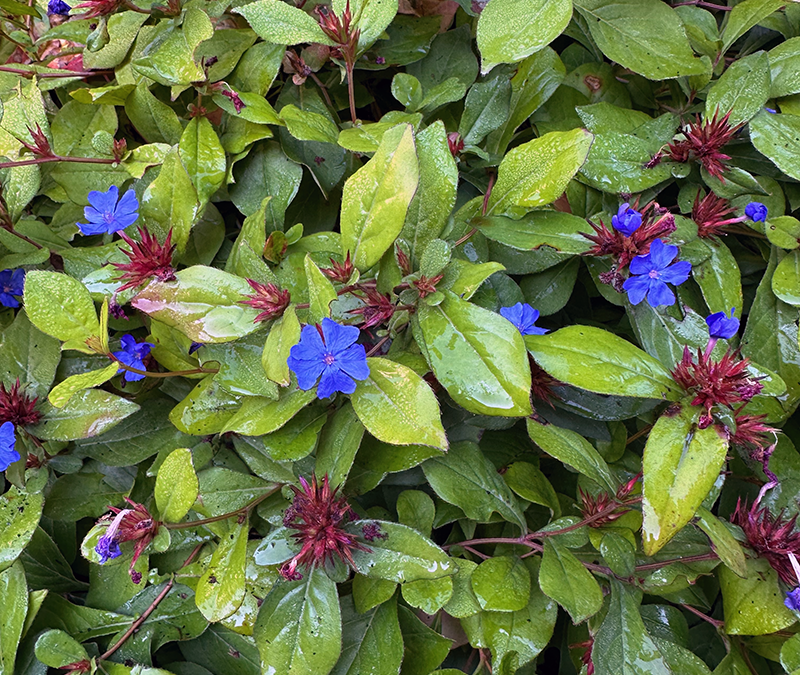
point(403, 261)
point(268, 298)
point(455, 143)
point(378, 308)
point(17, 407)
point(339, 272)
point(426, 286)
point(41, 145)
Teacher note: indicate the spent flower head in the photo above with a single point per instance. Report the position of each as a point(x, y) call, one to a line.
point(319, 515)
point(131, 524)
point(16, 406)
point(106, 215)
point(702, 141)
point(651, 273)
point(148, 260)
point(329, 353)
point(12, 284)
point(8, 439)
point(711, 214)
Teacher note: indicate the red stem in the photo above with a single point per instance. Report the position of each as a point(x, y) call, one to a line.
point(56, 158)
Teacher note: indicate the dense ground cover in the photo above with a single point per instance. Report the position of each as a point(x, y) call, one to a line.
point(399, 338)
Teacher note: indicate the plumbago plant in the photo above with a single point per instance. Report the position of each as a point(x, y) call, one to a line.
point(390, 337)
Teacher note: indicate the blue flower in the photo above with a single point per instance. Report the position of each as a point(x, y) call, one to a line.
point(793, 599)
point(332, 356)
point(8, 440)
point(194, 347)
point(105, 215)
point(524, 318)
point(720, 326)
point(772, 111)
point(12, 283)
point(131, 355)
point(107, 548)
point(58, 7)
point(756, 212)
point(627, 220)
point(652, 272)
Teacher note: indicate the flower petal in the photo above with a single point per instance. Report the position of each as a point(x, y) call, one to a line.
point(8, 439)
point(88, 229)
point(637, 288)
point(94, 216)
point(338, 337)
point(8, 300)
point(662, 254)
point(121, 221)
point(641, 264)
point(353, 361)
point(334, 380)
point(306, 370)
point(660, 294)
point(128, 203)
point(676, 274)
point(105, 202)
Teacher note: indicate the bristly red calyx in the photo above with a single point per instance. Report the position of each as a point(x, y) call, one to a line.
point(17, 407)
point(703, 142)
point(339, 272)
point(270, 299)
point(319, 515)
point(378, 308)
point(711, 214)
point(773, 538)
point(591, 506)
point(656, 223)
point(148, 260)
point(715, 383)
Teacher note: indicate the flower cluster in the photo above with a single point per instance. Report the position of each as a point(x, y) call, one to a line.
point(132, 355)
point(319, 514)
point(106, 215)
point(133, 524)
point(329, 353)
point(651, 273)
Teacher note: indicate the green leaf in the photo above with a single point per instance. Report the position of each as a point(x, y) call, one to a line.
point(573, 450)
point(718, 277)
point(338, 444)
point(88, 413)
point(282, 24)
point(204, 303)
point(537, 172)
point(726, 547)
point(376, 198)
point(416, 509)
point(371, 641)
point(423, 648)
point(56, 649)
point(432, 203)
point(783, 232)
point(429, 595)
point(402, 555)
point(502, 584)
point(305, 125)
point(177, 486)
point(617, 163)
point(486, 106)
point(260, 415)
point(206, 408)
point(60, 395)
point(742, 90)
point(203, 158)
point(369, 593)
point(61, 307)
point(784, 65)
point(81, 495)
point(527, 631)
point(28, 354)
point(564, 578)
point(622, 644)
point(593, 359)
point(465, 478)
point(786, 280)
point(466, 345)
point(299, 626)
point(170, 202)
point(463, 602)
point(372, 18)
point(19, 515)
point(241, 371)
point(532, 485)
point(397, 406)
point(646, 36)
point(221, 588)
point(776, 137)
point(284, 334)
point(535, 24)
point(154, 120)
point(754, 605)
point(321, 292)
point(552, 229)
point(744, 16)
point(14, 597)
point(681, 463)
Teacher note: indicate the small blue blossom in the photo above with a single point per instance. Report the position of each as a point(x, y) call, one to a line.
point(331, 355)
point(194, 347)
point(722, 326)
point(793, 600)
point(772, 111)
point(58, 7)
point(524, 318)
point(132, 354)
point(105, 215)
point(652, 272)
point(756, 212)
point(8, 440)
point(107, 548)
point(627, 220)
point(12, 283)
